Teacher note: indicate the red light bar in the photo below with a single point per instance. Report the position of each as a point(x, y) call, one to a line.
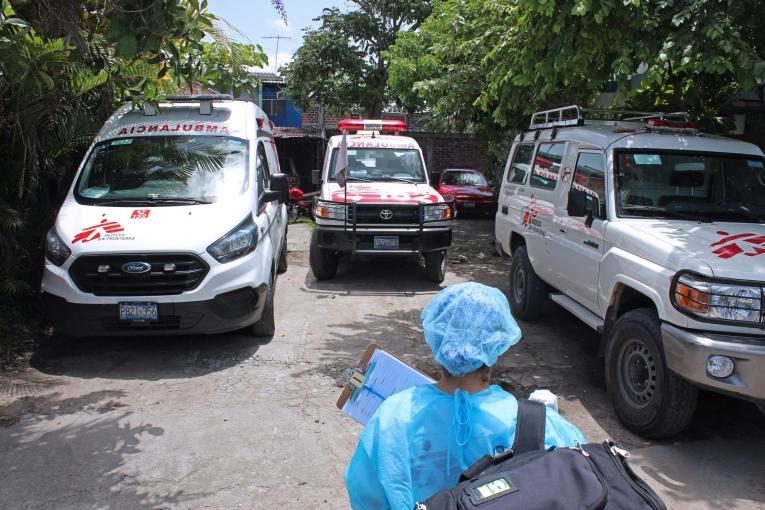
point(395, 126)
point(672, 123)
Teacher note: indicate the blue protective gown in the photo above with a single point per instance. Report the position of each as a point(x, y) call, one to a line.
point(421, 439)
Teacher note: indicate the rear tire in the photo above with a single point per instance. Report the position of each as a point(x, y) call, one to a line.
point(283, 263)
point(435, 265)
point(648, 398)
point(323, 262)
point(265, 328)
point(528, 292)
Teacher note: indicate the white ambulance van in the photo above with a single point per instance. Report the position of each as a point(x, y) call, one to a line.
point(175, 224)
point(653, 234)
point(387, 206)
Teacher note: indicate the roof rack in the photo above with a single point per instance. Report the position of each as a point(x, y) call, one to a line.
point(575, 116)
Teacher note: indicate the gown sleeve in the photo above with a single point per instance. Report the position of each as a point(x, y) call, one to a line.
point(559, 432)
point(379, 474)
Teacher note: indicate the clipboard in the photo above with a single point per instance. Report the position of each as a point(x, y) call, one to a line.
point(378, 375)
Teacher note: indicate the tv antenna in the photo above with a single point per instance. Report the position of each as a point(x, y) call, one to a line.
point(276, 56)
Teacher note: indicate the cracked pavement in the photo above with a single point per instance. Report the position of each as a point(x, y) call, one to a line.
point(220, 422)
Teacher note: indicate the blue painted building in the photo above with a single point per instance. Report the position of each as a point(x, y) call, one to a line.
point(275, 103)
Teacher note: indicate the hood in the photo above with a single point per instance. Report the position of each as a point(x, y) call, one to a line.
point(467, 191)
point(381, 193)
point(731, 250)
point(96, 229)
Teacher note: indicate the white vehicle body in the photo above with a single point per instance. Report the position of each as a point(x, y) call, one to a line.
point(127, 250)
point(632, 252)
point(387, 205)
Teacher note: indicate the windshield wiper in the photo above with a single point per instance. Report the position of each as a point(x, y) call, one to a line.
point(658, 211)
point(178, 200)
point(410, 180)
point(359, 179)
point(122, 201)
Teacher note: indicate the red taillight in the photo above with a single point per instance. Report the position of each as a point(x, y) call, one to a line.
point(395, 126)
point(672, 123)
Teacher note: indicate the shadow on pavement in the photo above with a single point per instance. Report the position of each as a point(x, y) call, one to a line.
point(145, 358)
point(79, 463)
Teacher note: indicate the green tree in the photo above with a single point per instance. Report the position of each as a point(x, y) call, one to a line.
point(343, 64)
point(504, 60)
point(223, 66)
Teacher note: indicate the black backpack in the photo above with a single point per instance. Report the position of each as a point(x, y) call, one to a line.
point(528, 477)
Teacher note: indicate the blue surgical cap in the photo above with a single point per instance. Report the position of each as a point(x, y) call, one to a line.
point(469, 325)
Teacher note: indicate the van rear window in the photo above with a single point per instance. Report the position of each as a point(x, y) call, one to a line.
point(547, 165)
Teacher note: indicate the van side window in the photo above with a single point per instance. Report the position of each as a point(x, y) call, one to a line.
point(589, 177)
point(263, 174)
point(520, 165)
point(547, 165)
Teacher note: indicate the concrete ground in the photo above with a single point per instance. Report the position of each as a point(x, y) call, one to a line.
point(218, 422)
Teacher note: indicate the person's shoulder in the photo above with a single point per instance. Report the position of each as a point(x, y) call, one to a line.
point(400, 405)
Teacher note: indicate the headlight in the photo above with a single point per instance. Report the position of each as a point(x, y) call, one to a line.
point(437, 212)
point(56, 250)
point(329, 210)
point(718, 300)
point(243, 239)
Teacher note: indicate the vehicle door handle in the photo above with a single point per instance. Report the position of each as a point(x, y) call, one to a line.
point(562, 231)
point(504, 209)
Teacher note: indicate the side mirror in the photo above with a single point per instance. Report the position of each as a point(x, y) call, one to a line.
point(316, 177)
point(270, 196)
point(280, 184)
point(577, 203)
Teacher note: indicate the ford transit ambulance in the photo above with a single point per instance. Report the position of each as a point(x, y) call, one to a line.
point(386, 206)
point(653, 234)
point(175, 224)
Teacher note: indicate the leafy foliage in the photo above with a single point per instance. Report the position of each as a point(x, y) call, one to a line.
point(491, 64)
point(342, 64)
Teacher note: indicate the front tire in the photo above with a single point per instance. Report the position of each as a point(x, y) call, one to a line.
point(435, 266)
point(323, 262)
point(265, 328)
point(528, 292)
point(283, 263)
point(648, 398)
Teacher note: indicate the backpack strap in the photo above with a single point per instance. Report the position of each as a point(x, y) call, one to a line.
point(529, 427)
point(529, 436)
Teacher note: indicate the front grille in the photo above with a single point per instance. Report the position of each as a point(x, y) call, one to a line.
point(402, 214)
point(189, 271)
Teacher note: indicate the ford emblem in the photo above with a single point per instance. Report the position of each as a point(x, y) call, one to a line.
point(386, 214)
point(136, 267)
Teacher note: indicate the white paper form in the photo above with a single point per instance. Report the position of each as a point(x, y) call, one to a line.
point(385, 376)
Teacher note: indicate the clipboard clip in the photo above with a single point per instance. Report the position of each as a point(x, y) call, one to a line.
point(355, 378)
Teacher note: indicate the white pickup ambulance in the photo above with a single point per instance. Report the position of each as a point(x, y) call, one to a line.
point(651, 232)
point(175, 223)
point(387, 205)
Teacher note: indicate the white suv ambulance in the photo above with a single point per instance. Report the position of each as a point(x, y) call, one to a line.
point(175, 224)
point(387, 205)
point(652, 233)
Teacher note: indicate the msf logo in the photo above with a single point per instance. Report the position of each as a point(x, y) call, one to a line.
point(729, 247)
point(106, 227)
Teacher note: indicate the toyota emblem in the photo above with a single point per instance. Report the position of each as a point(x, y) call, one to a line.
point(386, 214)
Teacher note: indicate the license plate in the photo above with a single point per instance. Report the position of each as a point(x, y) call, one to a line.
point(386, 242)
point(468, 204)
point(138, 311)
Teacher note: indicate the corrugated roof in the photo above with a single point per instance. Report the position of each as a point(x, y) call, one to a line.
point(292, 132)
point(267, 77)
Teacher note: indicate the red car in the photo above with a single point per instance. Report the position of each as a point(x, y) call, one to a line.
point(469, 188)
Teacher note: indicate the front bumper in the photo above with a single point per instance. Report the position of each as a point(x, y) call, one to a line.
point(226, 312)
point(361, 240)
point(687, 353)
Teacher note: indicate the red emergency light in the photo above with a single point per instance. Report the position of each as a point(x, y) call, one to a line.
point(677, 124)
point(395, 126)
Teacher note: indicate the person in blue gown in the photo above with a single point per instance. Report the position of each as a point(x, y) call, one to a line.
point(421, 439)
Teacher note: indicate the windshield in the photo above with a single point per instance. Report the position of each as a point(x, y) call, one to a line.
point(170, 169)
point(381, 165)
point(452, 178)
point(703, 186)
